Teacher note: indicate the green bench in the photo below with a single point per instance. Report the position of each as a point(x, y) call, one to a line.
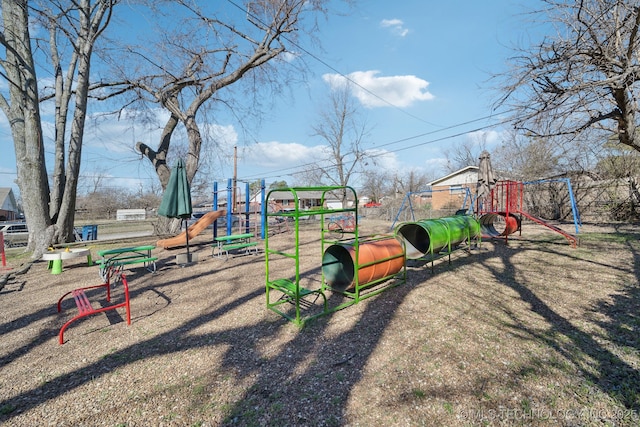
point(234, 242)
point(121, 257)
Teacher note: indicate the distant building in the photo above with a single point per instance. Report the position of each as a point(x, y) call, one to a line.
point(8, 206)
point(283, 200)
point(450, 190)
point(131, 214)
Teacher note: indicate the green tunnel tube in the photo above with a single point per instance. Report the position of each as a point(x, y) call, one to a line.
point(431, 236)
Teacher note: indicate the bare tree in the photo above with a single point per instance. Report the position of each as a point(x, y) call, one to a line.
point(196, 63)
point(341, 128)
point(530, 157)
point(22, 108)
point(466, 153)
point(526, 158)
point(73, 27)
point(376, 183)
point(618, 161)
point(412, 181)
point(583, 78)
point(94, 182)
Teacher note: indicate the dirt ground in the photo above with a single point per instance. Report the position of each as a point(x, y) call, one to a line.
point(532, 332)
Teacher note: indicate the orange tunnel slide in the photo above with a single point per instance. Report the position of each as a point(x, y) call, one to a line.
point(497, 224)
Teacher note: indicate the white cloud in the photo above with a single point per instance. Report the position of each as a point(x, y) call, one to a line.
point(131, 183)
point(288, 56)
point(120, 134)
point(375, 91)
point(275, 154)
point(396, 26)
point(489, 137)
point(383, 159)
point(225, 136)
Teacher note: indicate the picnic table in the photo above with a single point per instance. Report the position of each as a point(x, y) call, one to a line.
point(120, 257)
point(232, 242)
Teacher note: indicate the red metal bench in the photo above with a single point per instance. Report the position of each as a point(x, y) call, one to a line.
point(84, 305)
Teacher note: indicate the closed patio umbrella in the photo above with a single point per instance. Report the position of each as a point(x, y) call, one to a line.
point(486, 178)
point(176, 201)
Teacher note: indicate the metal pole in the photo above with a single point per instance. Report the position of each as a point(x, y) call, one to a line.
point(235, 176)
point(247, 209)
point(574, 207)
point(4, 257)
point(263, 206)
point(230, 190)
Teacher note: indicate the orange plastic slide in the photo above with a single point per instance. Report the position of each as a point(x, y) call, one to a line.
point(195, 229)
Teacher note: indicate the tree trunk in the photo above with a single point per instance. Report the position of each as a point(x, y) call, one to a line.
point(23, 112)
point(66, 217)
point(159, 158)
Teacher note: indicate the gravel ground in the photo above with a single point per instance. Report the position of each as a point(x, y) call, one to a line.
point(531, 332)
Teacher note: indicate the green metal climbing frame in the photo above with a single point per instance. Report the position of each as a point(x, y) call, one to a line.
point(284, 295)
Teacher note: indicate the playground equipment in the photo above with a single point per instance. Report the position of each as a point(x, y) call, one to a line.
point(356, 267)
point(505, 205)
point(500, 213)
point(83, 303)
point(243, 218)
point(500, 208)
point(2, 254)
point(373, 260)
point(433, 236)
point(338, 224)
point(350, 268)
point(196, 228)
point(577, 222)
point(508, 224)
point(407, 204)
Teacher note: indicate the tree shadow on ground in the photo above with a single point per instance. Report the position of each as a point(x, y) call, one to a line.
point(308, 380)
point(600, 364)
point(288, 380)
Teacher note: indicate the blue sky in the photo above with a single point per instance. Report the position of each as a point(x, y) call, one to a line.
point(427, 62)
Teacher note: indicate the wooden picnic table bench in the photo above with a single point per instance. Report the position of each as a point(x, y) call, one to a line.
point(233, 242)
point(120, 257)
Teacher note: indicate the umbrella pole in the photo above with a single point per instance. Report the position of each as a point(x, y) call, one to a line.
point(186, 232)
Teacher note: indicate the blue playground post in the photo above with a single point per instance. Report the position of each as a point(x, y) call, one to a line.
point(247, 212)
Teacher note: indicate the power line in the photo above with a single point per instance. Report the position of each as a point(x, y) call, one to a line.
point(332, 68)
point(306, 166)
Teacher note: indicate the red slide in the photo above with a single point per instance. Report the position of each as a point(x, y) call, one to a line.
point(573, 241)
point(195, 229)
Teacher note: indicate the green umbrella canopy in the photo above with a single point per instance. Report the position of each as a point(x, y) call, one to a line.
point(176, 201)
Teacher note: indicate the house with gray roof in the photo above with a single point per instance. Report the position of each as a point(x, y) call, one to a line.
point(8, 207)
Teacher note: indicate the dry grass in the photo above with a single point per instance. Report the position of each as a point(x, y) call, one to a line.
point(529, 333)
